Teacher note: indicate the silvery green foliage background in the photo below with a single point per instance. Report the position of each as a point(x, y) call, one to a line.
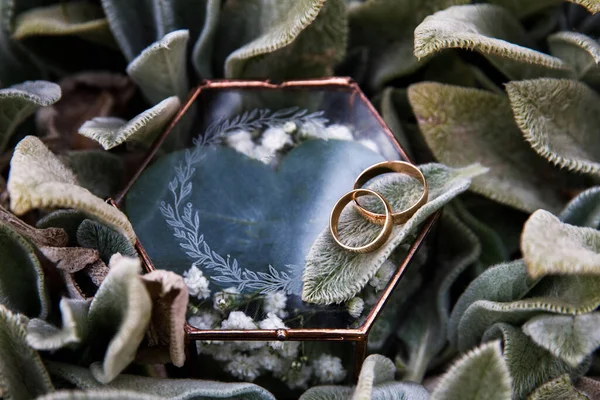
point(508, 308)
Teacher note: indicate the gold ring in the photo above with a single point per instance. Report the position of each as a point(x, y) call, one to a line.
point(383, 235)
point(391, 166)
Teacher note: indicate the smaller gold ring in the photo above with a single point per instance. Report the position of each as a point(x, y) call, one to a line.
point(391, 166)
point(383, 235)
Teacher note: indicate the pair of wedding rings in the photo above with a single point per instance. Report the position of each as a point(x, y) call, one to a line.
point(387, 220)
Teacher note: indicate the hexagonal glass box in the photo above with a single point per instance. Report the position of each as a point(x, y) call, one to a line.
point(233, 194)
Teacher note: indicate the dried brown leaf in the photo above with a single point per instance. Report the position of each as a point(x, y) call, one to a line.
point(54, 237)
point(70, 259)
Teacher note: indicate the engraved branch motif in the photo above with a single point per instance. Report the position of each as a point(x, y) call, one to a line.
point(185, 221)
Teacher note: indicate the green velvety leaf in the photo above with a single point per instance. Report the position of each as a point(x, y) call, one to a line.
point(102, 394)
point(492, 31)
point(281, 40)
point(392, 99)
point(501, 283)
point(581, 52)
point(202, 53)
point(94, 235)
point(538, 367)
point(39, 180)
point(385, 28)
point(136, 24)
point(333, 275)
point(169, 295)
point(560, 388)
point(552, 247)
point(572, 338)
point(44, 336)
point(161, 69)
point(524, 8)
point(376, 369)
point(22, 287)
point(79, 18)
point(568, 295)
point(119, 313)
point(423, 331)
point(144, 128)
point(592, 5)
point(68, 220)
point(100, 172)
point(464, 126)
point(22, 373)
point(481, 373)
point(583, 210)
point(20, 101)
point(559, 119)
point(180, 389)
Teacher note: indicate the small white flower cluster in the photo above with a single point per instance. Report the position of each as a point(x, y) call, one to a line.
point(273, 140)
point(247, 360)
point(383, 275)
point(355, 307)
point(196, 283)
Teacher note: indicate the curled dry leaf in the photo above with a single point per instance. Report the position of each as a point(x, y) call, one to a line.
point(39, 180)
point(553, 247)
point(70, 259)
point(169, 296)
point(84, 96)
point(55, 237)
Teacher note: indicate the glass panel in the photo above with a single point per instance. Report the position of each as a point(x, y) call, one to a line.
point(236, 205)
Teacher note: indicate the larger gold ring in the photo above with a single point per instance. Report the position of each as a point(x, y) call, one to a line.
point(383, 235)
point(391, 166)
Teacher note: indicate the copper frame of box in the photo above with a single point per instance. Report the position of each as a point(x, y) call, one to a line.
point(358, 335)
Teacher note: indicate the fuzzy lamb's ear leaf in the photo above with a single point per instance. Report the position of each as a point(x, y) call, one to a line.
point(581, 52)
point(22, 372)
point(592, 5)
point(281, 40)
point(43, 336)
point(583, 210)
point(99, 394)
point(501, 283)
point(588, 386)
point(385, 28)
point(161, 69)
point(70, 259)
point(492, 31)
point(67, 220)
point(144, 128)
point(119, 313)
point(376, 369)
point(552, 247)
point(98, 171)
point(327, 392)
point(165, 388)
point(39, 180)
point(560, 388)
point(169, 295)
point(538, 367)
point(571, 338)
point(334, 275)
point(22, 287)
point(482, 373)
point(464, 126)
point(202, 53)
point(558, 117)
point(77, 18)
point(20, 101)
point(94, 235)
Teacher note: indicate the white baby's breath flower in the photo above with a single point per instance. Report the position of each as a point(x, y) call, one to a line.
point(196, 283)
point(241, 141)
point(289, 350)
point(275, 139)
point(329, 369)
point(275, 303)
point(273, 322)
point(312, 130)
point(337, 132)
point(289, 127)
point(223, 300)
point(263, 154)
point(369, 144)
point(204, 320)
point(355, 307)
point(269, 360)
point(238, 320)
point(383, 275)
point(297, 377)
point(244, 367)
